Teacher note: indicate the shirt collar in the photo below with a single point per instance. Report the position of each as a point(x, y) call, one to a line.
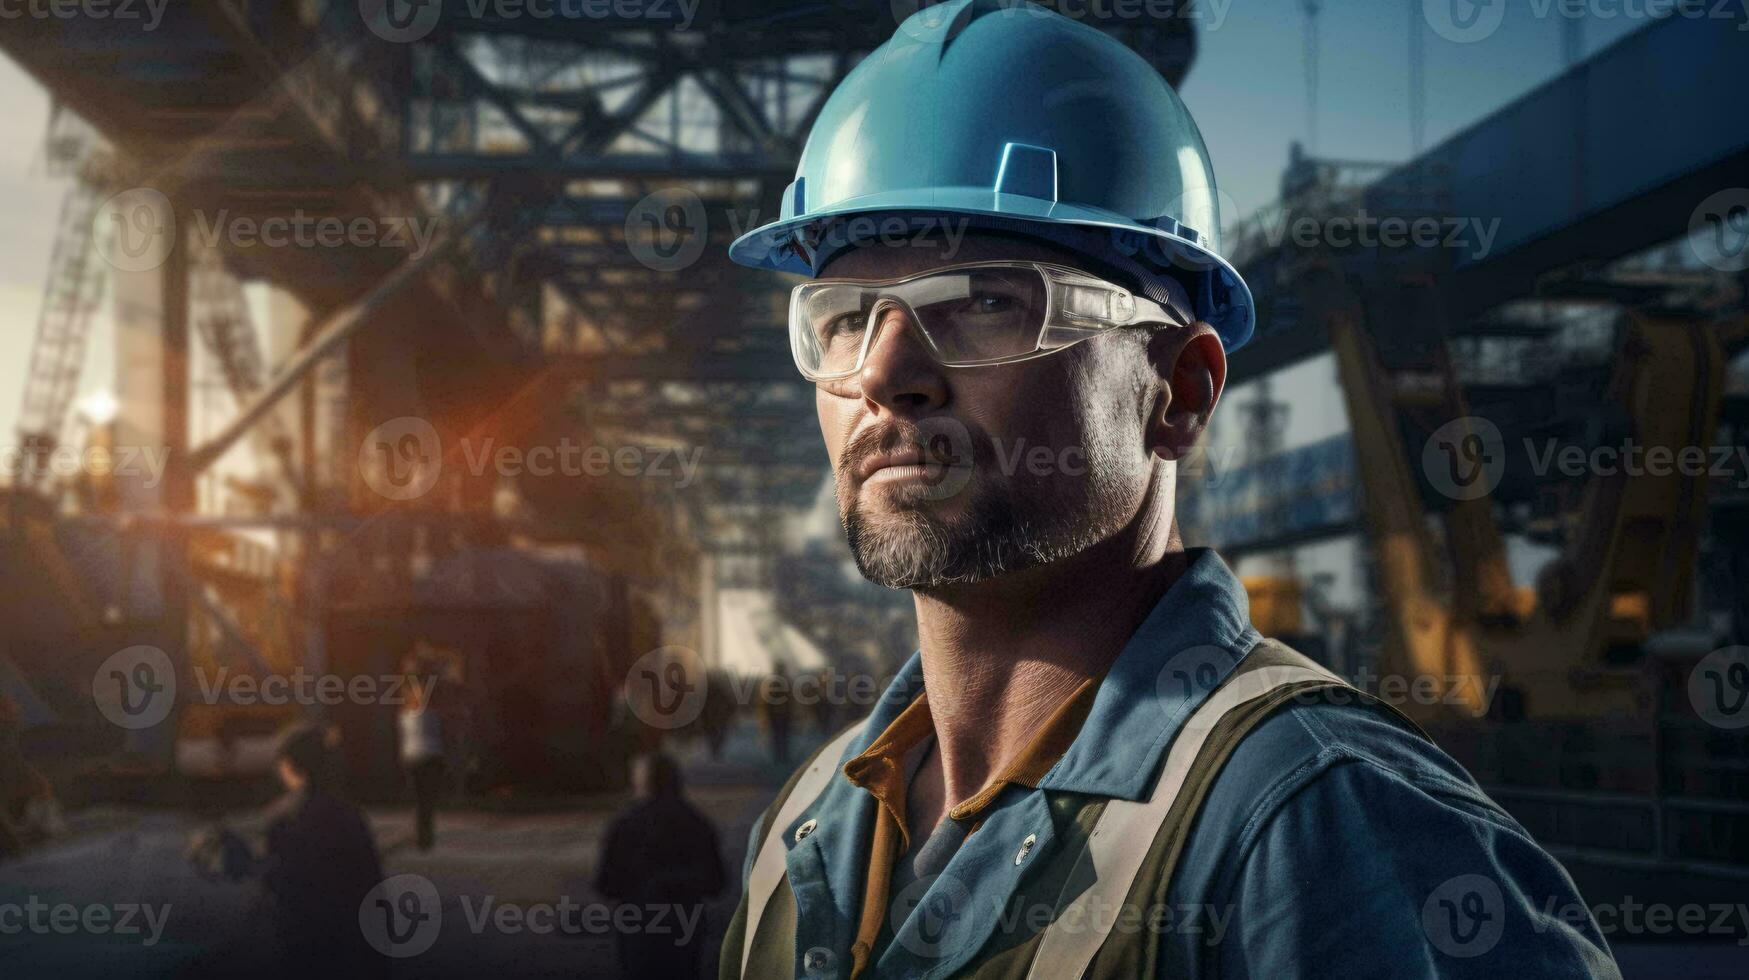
point(882, 767)
point(1195, 635)
point(1189, 643)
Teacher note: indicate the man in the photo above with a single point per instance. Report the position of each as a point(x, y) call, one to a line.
point(19, 781)
point(321, 861)
point(662, 856)
point(775, 702)
point(1017, 323)
point(422, 756)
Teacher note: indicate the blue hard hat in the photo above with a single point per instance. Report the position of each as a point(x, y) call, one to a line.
point(1022, 120)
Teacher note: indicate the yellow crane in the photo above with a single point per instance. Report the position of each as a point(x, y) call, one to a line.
point(1456, 619)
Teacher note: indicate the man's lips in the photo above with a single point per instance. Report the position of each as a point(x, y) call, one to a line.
point(898, 458)
point(901, 465)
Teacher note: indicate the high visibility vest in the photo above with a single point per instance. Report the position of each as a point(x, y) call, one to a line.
point(1126, 852)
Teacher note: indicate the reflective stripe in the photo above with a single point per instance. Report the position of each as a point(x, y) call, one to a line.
point(768, 867)
point(1125, 831)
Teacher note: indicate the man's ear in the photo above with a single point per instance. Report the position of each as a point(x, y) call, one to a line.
point(1191, 369)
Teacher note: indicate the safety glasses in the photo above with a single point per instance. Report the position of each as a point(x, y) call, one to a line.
point(969, 315)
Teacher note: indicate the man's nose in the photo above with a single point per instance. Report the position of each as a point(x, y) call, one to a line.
point(899, 372)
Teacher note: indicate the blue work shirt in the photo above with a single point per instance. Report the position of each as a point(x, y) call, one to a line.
point(1335, 842)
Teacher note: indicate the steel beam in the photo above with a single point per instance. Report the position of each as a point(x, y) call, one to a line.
point(330, 334)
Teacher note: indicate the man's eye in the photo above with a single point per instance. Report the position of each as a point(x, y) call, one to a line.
point(839, 326)
point(990, 303)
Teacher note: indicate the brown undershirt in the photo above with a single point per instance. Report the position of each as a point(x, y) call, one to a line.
point(885, 769)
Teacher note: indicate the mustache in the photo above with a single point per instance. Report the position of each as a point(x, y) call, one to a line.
point(936, 445)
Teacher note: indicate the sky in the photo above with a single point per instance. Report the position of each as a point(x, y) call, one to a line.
point(1246, 90)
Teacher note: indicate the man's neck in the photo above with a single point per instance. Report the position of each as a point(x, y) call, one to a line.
point(999, 656)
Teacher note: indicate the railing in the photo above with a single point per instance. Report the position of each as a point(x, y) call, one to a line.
point(1562, 821)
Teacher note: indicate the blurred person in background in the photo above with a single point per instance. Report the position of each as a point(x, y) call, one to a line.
point(661, 851)
point(719, 711)
point(15, 777)
point(422, 756)
point(320, 862)
point(28, 810)
point(825, 711)
point(777, 701)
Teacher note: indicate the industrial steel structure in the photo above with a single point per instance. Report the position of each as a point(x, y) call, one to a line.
point(529, 216)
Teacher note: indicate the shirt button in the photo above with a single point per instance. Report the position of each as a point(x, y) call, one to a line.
point(1025, 848)
point(806, 829)
point(817, 960)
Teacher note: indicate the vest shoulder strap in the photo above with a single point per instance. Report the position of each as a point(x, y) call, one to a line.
point(768, 866)
point(1126, 831)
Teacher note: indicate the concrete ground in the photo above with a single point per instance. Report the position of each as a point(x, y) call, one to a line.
point(116, 898)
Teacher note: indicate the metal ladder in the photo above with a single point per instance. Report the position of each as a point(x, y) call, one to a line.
point(72, 293)
point(221, 316)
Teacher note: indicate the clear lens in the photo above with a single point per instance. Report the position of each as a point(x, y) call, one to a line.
point(983, 314)
point(827, 327)
point(969, 315)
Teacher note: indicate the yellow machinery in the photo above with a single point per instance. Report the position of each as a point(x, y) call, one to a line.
point(1456, 618)
point(1275, 604)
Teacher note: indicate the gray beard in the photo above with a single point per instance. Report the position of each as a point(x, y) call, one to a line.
point(1003, 530)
